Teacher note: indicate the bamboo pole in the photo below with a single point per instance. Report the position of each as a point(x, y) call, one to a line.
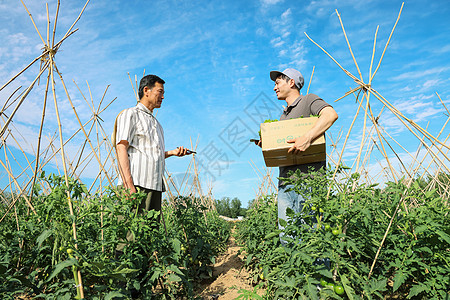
point(343, 147)
point(5, 105)
point(310, 80)
point(387, 43)
point(79, 122)
point(74, 229)
point(349, 47)
point(44, 107)
point(32, 20)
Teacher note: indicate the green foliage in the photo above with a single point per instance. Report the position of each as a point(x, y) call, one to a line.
point(39, 256)
point(229, 208)
point(259, 232)
point(266, 121)
point(202, 235)
point(413, 263)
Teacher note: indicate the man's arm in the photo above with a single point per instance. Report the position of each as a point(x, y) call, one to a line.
point(327, 117)
point(180, 151)
point(124, 166)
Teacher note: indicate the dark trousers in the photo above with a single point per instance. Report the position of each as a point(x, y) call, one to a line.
point(151, 201)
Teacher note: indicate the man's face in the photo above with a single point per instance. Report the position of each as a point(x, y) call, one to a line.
point(156, 95)
point(282, 88)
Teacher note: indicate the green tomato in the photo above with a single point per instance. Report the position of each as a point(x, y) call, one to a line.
point(321, 210)
point(313, 208)
point(336, 231)
point(183, 248)
point(338, 289)
point(327, 227)
point(330, 285)
point(323, 282)
point(69, 251)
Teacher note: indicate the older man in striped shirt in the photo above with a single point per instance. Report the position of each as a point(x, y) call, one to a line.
point(139, 141)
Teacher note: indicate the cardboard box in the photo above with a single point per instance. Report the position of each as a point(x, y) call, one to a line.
point(275, 148)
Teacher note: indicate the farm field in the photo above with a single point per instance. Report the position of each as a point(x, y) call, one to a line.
point(375, 224)
point(347, 246)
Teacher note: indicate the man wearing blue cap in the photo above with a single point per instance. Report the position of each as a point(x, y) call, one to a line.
point(287, 87)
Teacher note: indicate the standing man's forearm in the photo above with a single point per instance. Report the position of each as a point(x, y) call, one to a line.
point(124, 166)
point(327, 117)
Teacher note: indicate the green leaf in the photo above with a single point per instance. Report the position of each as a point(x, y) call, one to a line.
point(174, 277)
point(420, 229)
point(280, 250)
point(59, 267)
point(290, 281)
point(44, 235)
point(282, 222)
point(399, 279)
point(424, 249)
point(347, 288)
point(377, 285)
point(325, 272)
point(175, 269)
point(444, 236)
point(176, 244)
point(249, 259)
point(416, 290)
point(272, 234)
point(114, 294)
point(312, 291)
point(290, 212)
point(156, 274)
point(430, 194)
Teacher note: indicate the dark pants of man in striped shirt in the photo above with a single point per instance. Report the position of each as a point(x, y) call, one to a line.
point(152, 201)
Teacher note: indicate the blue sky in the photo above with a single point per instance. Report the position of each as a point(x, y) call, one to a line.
point(215, 57)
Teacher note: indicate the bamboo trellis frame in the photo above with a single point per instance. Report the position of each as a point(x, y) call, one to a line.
point(381, 138)
point(375, 140)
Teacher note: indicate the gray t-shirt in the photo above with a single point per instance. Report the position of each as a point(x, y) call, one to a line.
point(304, 106)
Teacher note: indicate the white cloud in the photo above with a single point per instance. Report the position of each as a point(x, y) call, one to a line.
point(277, 42)
point(428, 112)
point(270, 2)
point(430, 83)
point(420, 74)
point(419, 108)
point(320, 8)
point(260, 31)
point(286, 34)
point(286, 14)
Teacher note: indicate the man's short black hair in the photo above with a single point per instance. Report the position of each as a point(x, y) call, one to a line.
point(287, 78)
point(148, 81)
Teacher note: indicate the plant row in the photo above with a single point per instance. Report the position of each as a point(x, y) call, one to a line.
point(119, 253)
point(356, 241)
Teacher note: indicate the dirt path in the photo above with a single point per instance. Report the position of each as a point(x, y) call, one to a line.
point(229, 276)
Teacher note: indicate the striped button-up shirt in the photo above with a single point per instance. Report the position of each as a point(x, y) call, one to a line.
point(146, 151)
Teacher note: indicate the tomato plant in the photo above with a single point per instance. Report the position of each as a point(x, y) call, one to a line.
point(40, 258)
point(414, 259)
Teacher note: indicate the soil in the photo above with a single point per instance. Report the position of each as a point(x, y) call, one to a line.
point(229, 276)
